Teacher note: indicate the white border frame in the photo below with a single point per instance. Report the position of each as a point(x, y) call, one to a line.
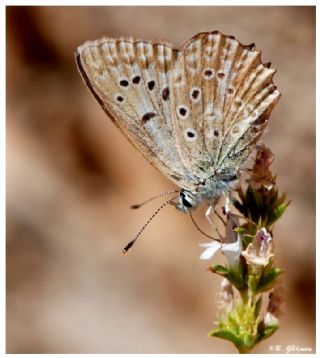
point(3, 142)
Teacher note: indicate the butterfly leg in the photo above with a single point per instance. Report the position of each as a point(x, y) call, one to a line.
point(209, 211)
point(225, 209)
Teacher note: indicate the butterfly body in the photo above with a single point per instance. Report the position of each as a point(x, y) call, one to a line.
point(208, 191)
point(195, 113)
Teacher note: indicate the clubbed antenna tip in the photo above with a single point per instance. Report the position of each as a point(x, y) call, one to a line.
point(136, 206)
point(127, 248)
point(130, 244)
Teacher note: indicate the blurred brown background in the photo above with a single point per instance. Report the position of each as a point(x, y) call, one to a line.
point(71, 177)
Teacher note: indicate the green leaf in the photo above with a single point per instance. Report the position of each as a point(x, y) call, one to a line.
point(277, 213)
point(236, 277)
point(266, 332)
point(227, 335)
point(281, 199)
point(253, 281)
point(240, 230)
point(258, 306)
point(258, 198)
point(220, 270)
point(268, 279)
point(233, 274)
point(269, 330)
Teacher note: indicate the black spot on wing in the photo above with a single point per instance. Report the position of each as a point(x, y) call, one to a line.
point(147, 116)
point(136, 80)
point(165, 94)
point(151, 85)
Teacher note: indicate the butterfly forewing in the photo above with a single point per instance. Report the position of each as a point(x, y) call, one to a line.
point(131, 81)
point(189, 107)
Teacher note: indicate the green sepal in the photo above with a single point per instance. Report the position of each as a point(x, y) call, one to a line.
point(240, 230)
point(268, 279)
point(277, 213)
point(233, 274)
point(227, 335)
point(262, 206)
point(220, 270)
point(253, 281)
point(258, 306)
point(236, 277)
point(246, 232)
point(266, 331)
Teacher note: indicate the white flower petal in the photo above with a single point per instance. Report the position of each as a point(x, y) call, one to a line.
point(211, 249)
point(232, 223)
point(259, 252)
point(233, 250)
point(270, 319)
point(205, 244)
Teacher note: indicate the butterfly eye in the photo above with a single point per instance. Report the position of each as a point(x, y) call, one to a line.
point(185, 201)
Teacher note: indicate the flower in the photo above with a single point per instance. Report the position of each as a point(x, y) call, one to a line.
point(233, 250)
point(226, 297)
point(227, 290)
point(210, 249)
point(250, 272)
point(275, 301)
point(259, 252)
point(270, 320)
point(231, 246)
point(261, 174)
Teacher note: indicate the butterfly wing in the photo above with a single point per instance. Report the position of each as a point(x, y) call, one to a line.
point(223, 98)
point(131, 81)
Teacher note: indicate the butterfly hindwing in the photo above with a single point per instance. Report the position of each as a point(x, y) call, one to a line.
point(131, 81)
point(234, 93)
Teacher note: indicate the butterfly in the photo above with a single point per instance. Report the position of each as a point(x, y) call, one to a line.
point(195, 113)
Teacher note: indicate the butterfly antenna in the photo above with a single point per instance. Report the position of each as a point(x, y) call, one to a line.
point(220, 217)
point(137, 206)
point(202, 232)
point(130, 244)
